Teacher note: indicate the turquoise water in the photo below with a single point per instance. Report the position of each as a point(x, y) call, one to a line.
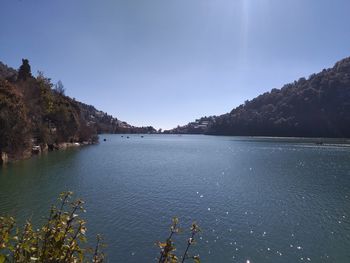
point(259, 199)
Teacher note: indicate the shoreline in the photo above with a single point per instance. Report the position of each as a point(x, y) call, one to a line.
point(327, 141)
point(36, 150)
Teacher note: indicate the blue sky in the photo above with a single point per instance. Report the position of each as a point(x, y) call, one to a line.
point(167, 62)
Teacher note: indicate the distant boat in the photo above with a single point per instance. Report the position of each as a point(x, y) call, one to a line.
point(127, 137)
point(141, 136)
point(104, 139)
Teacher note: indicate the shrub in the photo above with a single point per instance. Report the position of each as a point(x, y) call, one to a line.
point(61, 239)
point(167, 253)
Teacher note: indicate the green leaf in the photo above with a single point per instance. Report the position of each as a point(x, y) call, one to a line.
point(2, 258)
point(196, 259)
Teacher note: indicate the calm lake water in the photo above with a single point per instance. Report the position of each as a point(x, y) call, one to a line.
point(259, 199)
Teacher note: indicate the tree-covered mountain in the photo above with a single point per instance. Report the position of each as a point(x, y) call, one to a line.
point(105, 123)
point(315, 107)
point(35, 114)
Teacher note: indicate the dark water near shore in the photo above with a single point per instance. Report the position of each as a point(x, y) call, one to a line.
point(259, 199)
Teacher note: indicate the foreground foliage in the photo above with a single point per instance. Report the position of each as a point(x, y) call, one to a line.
point(167, 253)
point(61, 239)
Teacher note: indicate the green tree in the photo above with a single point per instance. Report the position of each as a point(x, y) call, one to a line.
point(24, 71)
point(59, 88)
point(13, 121)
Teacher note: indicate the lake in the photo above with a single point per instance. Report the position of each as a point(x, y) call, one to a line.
point(257, 199)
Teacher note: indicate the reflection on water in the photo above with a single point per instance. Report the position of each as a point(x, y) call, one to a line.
point(261, 200)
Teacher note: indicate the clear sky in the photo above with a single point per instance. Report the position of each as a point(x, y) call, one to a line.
point(167, 62)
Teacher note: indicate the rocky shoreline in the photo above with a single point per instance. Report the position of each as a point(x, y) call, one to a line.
point(6, 158)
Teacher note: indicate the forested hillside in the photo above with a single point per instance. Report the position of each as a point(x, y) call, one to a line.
point(7, 72)
point(35, 115)
point(315, 107)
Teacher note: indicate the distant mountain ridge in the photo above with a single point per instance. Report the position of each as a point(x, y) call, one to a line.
point(315, 107)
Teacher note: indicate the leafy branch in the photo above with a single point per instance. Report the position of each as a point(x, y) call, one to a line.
point(61, 239)
point(167, 248)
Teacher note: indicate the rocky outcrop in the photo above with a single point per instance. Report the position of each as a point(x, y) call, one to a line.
point(66, 145)
point(3, 158)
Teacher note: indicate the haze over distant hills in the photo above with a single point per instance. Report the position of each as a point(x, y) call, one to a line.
point(315, 107)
